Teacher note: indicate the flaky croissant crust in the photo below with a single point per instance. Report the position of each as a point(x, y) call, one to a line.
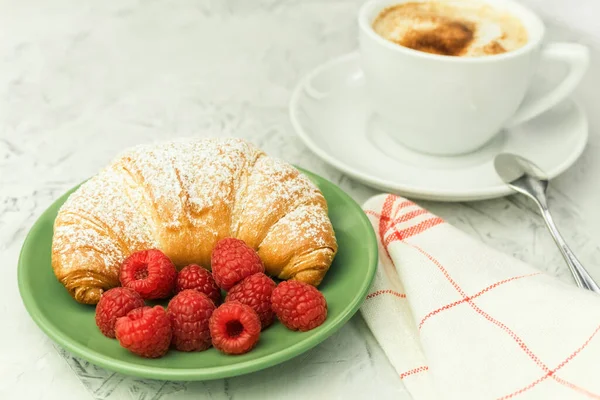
point(183, 197)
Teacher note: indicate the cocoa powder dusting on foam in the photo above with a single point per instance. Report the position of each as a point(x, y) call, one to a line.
point(448, 38)
point(463, 28)
point(494, 48)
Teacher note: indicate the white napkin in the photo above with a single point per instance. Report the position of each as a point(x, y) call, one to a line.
point(460, 320)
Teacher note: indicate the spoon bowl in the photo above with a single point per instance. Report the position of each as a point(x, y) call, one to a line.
point(524, 177)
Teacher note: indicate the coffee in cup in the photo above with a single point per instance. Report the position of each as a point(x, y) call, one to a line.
point(459, 28)
point(469, 72)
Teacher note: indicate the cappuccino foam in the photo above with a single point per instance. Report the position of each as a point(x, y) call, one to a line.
point(452, 28)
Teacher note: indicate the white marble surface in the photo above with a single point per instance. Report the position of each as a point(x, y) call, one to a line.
point(80, 80)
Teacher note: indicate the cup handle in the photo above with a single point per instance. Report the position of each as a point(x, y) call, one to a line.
point(577, 57)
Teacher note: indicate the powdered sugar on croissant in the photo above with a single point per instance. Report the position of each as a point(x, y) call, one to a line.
point(182, 197)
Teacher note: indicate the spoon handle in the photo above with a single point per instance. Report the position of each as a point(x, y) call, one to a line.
point(582, 277)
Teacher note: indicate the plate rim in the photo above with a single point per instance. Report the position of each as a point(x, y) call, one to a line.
point(412, 191)
point(199, 374)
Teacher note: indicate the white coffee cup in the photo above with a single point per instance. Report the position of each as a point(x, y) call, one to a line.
point(447, 105)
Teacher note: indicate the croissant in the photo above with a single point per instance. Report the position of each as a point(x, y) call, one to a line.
point(182, 198)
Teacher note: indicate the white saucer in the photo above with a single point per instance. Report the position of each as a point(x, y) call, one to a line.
point(330, 113)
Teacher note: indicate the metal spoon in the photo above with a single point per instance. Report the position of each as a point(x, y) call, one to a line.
point(526, 178)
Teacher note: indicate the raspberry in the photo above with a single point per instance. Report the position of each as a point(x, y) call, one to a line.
point(255, 291)
point(150, 273)
point(232, 260)
point(234, 328)
point(145, 331)
point(299, 306)
point(195, 277)
point(189, 312)
point(113, 304)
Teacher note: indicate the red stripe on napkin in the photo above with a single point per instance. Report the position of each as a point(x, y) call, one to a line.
point(516, 338)
point(387, 291)
point(487, 289)
point(414, 371)
point(552, 373)
point(395, 223)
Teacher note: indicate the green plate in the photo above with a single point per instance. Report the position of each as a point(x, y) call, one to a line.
point(72, 325)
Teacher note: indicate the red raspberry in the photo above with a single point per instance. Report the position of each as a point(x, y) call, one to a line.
point(234, 328)
point(189, 312)
point(150, 273)
point(113, 304)
point(145, 331)
point(255, 291)
point(299, 306)
point(232, 260)
point(195, 277)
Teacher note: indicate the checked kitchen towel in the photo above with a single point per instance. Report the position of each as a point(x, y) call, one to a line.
point(458, 319)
